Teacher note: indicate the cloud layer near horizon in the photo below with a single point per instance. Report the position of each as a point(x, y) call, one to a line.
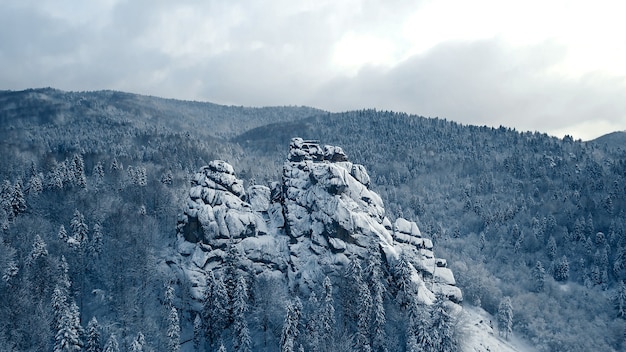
point(358, 54)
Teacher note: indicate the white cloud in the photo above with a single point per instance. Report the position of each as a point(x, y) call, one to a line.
point(530, 64)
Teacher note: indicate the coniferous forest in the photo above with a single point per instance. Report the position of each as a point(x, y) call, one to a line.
point(93, 185)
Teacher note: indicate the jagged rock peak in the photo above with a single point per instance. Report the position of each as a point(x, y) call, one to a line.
point(313, 224)
point(300, 150)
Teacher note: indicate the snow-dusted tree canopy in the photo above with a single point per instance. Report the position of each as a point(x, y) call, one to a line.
point(121, 207)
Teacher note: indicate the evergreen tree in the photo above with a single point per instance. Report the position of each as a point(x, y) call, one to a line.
point(62, 234)
point(327, 315)
point(95, 245)
point(561, 270)
point(112, 345)
point(358, 310)
point(79, 229)
point(98, 172)
point(215, 310)
point(173, 331)
point(138, 343)
point(69, 331)
point(620, 300)
point(56, 178)
point(230, 274)
point(505, 317)
point(93, 336)
point(243, 343)
point(78, 168)
point(375, 282)
point(116, 166)
point(290, 327)
point(59, 308)
point(18, 203)
point(539, 276)
point(197, 332)
point(551, 248)
point(442, 327)
point(167, 177)
point(419, 332)
point(363, 318)
point(39, 250)
point(38, 269)
point(313, 324)
point(407, 288)
point(35, 185)
point(169, 296)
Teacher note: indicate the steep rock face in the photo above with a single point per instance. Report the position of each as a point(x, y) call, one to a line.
point(321, 216)
point(219, 212)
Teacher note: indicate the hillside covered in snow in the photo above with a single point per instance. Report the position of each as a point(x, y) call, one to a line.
point(122, 215)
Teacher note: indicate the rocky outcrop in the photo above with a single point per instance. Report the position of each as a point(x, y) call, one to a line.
point(322, 215)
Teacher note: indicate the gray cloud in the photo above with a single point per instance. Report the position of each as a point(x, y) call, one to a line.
point(485, 82)
point(247, 53)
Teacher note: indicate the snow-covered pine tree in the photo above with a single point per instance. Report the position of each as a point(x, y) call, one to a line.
point(197, 332)
point(78, 167)
point(169, 296)
point(406, 287)
point(18, 203)
point(138, 343)
point(551, 248)
point(39, 250)
point(327, 316)
point(95, 245)
point(116, 166)
point(379, 337)
point(38, 269)
point(353, 279)
point(539, 276)
point(79, 229)
point(98, 172)
point(59, 306)
point(620, 300)
point(35, 185)
point(230, 275)
point(443, 328)
point(215, 310)
point(243, 343)
point(290, 327)
point(69, 330)
point(561, 270)
point(363, 317)
point(505, 317)
point(62, 234)
point(112, 345)
point(419, 332)
point(173, 331)
point(167, 177)
point(94, 342)
point(313, 323)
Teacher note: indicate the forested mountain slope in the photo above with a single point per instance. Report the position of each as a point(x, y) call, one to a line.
point(93, 184)
point(520, 214)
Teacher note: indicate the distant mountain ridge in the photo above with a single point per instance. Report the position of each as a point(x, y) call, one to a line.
point(614, 139)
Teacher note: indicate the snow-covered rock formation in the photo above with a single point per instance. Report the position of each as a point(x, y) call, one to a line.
point(322, 215)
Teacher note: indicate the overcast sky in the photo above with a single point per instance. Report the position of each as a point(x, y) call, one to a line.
point(548, 65)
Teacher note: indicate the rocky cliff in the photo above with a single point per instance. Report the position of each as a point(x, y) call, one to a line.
point(310, 225)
